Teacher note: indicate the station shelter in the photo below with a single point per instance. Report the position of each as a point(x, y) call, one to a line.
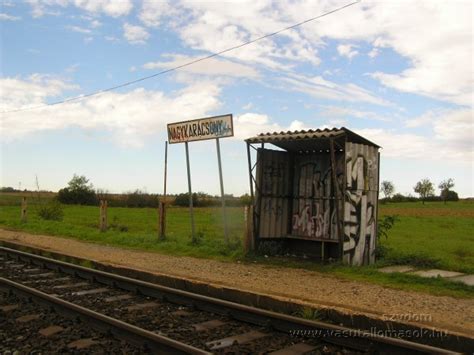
point(315, 193)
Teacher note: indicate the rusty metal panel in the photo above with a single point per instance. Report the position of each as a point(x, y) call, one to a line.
point(274, 193)
point(360, 203)
point(314, 213)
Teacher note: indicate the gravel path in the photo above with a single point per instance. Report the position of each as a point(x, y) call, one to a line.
point(303, 286)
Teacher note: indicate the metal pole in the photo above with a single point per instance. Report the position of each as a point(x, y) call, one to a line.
point(162, 203)
point(166, 171)
point(224, 217)
point(191, 213)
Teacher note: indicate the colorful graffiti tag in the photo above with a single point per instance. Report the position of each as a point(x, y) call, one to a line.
point(315, 215)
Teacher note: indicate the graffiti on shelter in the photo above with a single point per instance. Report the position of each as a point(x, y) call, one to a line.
point(359, 209)
point(316, 213)
point(272, 208)
point(273, 173)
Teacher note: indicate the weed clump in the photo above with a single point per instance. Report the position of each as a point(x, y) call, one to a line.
point(51, 211)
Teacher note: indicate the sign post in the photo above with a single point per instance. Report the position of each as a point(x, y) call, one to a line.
point(224, 217)
point(203, 129)
point(162, 203)
point(190, 192)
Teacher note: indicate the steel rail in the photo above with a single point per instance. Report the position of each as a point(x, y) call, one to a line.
point(330, 333)
point(121, 330)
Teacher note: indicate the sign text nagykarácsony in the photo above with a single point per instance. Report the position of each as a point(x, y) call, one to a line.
point(201, 129)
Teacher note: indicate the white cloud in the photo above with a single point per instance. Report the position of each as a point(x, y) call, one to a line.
point(347, 50)
point(452, 140)
point(434, 36)
point(374, 52)
point(338, 111)
point(135, 34)
point(78, 29)
point(424, 119)
point(250, 124)
point(153, 11)
point(16, 92)
point(95, 24)
point(212, 66)
point(321, 88)
point(6, 17)
point(114, 8)
point(214, 26)
point(128, 116)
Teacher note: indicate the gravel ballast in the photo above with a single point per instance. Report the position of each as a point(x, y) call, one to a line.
point(301, 286)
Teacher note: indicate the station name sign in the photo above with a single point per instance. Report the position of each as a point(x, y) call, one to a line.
point(201, 129)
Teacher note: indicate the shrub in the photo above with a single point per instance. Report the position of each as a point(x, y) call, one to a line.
point(452, 196)
point(79, 191)
point(52, 211)
point(384, 225)
point(141, 199)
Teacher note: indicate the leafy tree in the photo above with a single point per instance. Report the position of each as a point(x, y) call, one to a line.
point(387, 188)
point(445, 187)
point(424, 188)
point(79, 191)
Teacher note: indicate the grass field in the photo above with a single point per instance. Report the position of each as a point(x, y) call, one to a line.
point(429, 235)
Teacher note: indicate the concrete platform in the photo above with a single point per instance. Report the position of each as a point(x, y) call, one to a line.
point(448, 275)
point(396, 268)
point(465, 279)
point(436, 273)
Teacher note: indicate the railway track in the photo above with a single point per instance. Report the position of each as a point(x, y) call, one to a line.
point(159, 319)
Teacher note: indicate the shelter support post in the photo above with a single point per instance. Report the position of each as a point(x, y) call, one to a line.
point(190, 192)
point(337, 196)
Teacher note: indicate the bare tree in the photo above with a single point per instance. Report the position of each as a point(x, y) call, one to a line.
point(424, 188)
point(445, 186)
point(387, 188)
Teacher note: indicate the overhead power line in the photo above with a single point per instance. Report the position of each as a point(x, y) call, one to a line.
point(128, 83)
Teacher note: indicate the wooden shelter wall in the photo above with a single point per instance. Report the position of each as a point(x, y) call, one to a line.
point(314, 212)
point(274, 193)
point(360, 203)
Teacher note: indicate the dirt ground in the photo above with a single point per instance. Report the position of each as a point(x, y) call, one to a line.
point(306, 287)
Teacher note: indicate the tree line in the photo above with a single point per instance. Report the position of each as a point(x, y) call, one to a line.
point(424, 188)
point(80, 191)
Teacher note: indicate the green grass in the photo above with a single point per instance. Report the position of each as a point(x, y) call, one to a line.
point(430, 235)
point(136, 228)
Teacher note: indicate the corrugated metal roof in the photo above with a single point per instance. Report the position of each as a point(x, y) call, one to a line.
point(280, 138)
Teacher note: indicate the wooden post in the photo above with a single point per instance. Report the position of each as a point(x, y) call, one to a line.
point(24, 213)
point(103, 215)
point(338, 198)
point(249, 243)
point(162, 221)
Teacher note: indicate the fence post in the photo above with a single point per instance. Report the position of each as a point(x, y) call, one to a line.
point(24, 213)
point(103, 215)
point(249, 244)
point(162, 221)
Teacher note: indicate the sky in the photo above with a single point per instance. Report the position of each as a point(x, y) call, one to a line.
point(397, 72)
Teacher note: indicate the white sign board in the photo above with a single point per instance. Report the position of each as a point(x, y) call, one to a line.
point(201, 129)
